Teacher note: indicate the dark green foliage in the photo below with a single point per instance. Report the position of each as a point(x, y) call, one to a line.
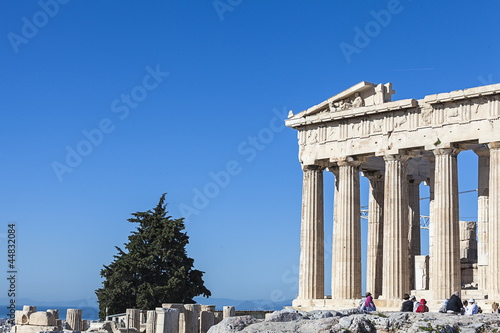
point(154, 269)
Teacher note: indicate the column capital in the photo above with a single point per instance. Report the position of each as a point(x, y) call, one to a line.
point(312, 167)
point(414, 181)
point(333, 169)
point(349, 162)
point(494, 145)
point(373, 175)
point(396, 157)
point(482, 151)
point(446, 151)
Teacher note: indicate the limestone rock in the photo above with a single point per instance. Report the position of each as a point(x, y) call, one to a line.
point(321, 314)
point(35, 329)
point(275, 327)
point(285, 315)
point(54, 312)
point(29, 308)
point(42, 318)
point(323, 325)
point(233, 324)
point(100, 326)
point(357, 321)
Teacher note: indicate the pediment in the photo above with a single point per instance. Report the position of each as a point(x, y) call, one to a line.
point(359, 95)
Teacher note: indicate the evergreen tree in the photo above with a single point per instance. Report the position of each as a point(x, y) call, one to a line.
point(154, 269)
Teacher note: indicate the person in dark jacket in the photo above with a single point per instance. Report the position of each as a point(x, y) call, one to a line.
point(454, 303)
point(407, 304)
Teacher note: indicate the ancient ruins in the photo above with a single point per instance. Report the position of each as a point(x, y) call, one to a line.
point(170, 318)
point(397, 145)
point(29, 320)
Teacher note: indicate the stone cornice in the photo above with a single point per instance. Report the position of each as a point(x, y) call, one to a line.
point(352, 113)
point(463, 94)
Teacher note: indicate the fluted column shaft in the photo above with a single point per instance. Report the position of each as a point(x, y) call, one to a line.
point(447, 278)
point(395, 265)
point(311, 275)
point(347, 282)
point(374, 257)
point(483, 179)
point(494, 222)
point(414, 226)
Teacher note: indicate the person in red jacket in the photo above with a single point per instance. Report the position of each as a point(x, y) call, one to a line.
point(422, 307)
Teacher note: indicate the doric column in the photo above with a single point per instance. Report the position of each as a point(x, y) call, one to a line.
point(395, 265)
point(73, 319)
point(483, 179)
point(311, 275)
point(446, 261)
point(347, 281)
point(375, 233)
point(494, 223)
point(414, 226)
point(134, 318)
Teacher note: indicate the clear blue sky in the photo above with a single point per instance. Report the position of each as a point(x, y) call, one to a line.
point(99, 69)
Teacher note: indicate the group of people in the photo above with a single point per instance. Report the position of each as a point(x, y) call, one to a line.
point(410, 304)
point(453, 305)
point(456, 306)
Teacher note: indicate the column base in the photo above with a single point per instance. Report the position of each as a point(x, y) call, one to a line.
point(327, 303)
point(343, 304)
point(324, 304)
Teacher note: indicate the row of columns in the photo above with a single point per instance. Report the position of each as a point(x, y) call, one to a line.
point(394, 227)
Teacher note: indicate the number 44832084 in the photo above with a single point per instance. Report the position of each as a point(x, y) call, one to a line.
point(11, 246)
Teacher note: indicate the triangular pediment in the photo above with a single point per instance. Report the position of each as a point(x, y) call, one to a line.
point(359, 95)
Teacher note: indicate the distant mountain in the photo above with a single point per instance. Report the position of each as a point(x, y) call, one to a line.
point(89, 302)
point(244, 305)
point(90, 307)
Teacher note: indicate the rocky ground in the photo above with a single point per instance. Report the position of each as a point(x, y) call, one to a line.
point(288, 321)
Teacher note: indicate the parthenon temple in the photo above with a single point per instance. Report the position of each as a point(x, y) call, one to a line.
point(398, 145)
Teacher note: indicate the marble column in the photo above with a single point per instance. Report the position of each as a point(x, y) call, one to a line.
point(134, 318)
point(375, 244)
point(446, 260)
point(346, 284)
point(191, 315)
point(483, 179)
point(395, 249)
point(151, 321)
point(73, 319)
point(312, 270)
point(207, 320)
point(167, 321)
point(494, 223)
point(413, 227)
point(228, 311)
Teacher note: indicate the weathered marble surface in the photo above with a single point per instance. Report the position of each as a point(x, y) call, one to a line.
point(290, 321)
